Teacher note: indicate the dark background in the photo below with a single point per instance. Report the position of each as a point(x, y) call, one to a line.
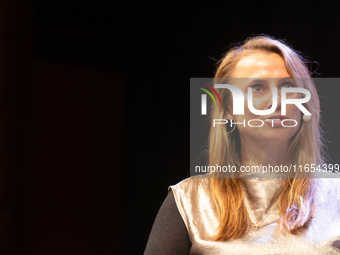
point(94, 103)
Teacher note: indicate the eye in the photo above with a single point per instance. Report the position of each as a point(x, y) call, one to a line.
point(257, 87)
point(287, 85)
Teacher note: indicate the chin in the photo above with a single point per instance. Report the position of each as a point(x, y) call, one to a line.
point(277, 136)
point(271, 136)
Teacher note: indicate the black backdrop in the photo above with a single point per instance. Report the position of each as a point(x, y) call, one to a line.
point(136, 119)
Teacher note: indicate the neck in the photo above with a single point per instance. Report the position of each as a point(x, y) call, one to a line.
point(254, 153)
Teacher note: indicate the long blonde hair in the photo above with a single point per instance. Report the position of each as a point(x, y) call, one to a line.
point(296, 196)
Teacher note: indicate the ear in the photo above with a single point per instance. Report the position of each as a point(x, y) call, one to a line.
point(228, 112)
point(228, 115)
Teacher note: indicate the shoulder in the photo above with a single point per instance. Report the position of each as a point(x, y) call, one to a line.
point(193, 190)
point(191, 184)
point(192, 197)
point(328, 181)
point(328, 190)
point(196, 207)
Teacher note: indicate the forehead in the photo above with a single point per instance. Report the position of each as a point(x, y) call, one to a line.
point(261, 65)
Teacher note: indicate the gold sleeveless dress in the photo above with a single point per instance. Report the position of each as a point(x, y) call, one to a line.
point(199, 215)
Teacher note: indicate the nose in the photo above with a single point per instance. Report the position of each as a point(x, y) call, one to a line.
point(270, 102)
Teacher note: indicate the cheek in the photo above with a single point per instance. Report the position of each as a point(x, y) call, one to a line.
point(258, 103)
point(294, 111)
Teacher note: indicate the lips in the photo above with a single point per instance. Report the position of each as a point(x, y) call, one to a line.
point(280, 117)
point(275, 121)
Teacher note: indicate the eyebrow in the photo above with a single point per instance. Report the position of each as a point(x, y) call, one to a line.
point(287, 79)
point(265, 79)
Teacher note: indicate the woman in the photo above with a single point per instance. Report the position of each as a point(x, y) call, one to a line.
point(231, 214)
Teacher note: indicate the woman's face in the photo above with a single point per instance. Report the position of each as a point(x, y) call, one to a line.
point(263, 72)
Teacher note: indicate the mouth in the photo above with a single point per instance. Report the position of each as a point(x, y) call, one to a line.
point(279, 117)
point(275, 120)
